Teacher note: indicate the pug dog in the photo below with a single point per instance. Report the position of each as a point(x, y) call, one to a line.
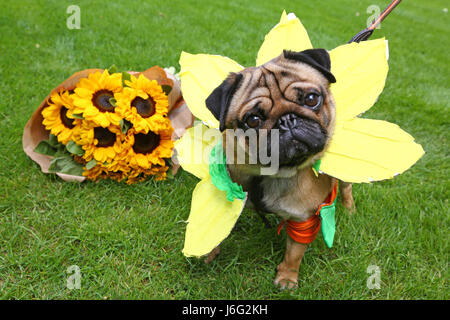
point(290, 94)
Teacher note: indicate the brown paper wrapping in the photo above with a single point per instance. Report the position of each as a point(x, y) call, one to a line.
point(34, 132)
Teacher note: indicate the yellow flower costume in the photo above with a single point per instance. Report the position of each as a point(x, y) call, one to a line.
point(361, 150)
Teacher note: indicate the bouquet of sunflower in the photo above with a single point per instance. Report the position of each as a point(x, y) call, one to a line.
point(102, 124)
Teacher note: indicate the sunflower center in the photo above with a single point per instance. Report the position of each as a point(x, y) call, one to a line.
point(101, 99)
point(146, 143)
point(67, 122)
point(105, 137)
point(145, 107)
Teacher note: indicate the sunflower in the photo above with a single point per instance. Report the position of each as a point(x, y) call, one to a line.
point(95, 173)
point(157, 172)
point(117, 175)
point(144, 104)
point(58, 116)
point(105, 145)
point(102, 171)
point(92, 98)
point(149, 149)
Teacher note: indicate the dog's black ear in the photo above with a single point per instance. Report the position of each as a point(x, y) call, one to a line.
point(319, 59)
point(218, 101)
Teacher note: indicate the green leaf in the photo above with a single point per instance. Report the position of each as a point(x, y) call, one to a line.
point(73, 148)
point(66, 164)
point(61, 152)
point(113, 101)
point(45, 148)
point(53, 141)
point(78, 116)
point(55, 165)
point(166, 88)
point(91, 164)
point(112, 69)
point(50, 147)
point(125, 125)
point(126, 76)
point(73, 168)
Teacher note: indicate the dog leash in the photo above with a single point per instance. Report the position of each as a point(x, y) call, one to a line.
point(365, 34)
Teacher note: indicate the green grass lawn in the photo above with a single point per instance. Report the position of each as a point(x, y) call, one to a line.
point(127, 240)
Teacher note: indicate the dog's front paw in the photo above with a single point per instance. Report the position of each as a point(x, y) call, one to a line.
point(286, 277)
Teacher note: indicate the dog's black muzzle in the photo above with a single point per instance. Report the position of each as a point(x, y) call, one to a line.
point(299, 138)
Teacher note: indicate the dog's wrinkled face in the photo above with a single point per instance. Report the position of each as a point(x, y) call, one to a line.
point(289, 93)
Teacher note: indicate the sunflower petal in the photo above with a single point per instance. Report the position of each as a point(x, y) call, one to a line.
point(83, 92)
point(200, 74)
point(360, 70)
point(211, 219)
point(194, 147)
point(366, 150)
point(289, 34)
point(143, 161)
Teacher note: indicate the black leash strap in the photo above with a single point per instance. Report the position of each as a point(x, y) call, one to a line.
point(366, 33)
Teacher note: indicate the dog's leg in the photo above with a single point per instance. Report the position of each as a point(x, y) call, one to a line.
point(264, 219)
point(287, 274)
point(212, 255)
point(347, 196)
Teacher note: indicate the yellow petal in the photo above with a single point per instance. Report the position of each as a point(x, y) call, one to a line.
point(84, 93)
point(211, 219)
point(289, 34)
point(142, 161)
point(365, 150)
point(360, 70)
point(200, 74)
point(110, 153)
point(64, 136)
point(101, 119)
point(91, 111)
point(194, 147)
point(100, 155)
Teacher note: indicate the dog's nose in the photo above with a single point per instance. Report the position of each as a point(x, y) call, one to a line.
point(287, 122)
point(300, 130)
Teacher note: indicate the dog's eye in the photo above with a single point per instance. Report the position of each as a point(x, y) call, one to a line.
point(253, 121)
point(313, 100)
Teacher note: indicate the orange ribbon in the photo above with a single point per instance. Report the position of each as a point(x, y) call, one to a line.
point(306, 231)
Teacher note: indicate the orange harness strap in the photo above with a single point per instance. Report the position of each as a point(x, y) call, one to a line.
point(306, 231)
